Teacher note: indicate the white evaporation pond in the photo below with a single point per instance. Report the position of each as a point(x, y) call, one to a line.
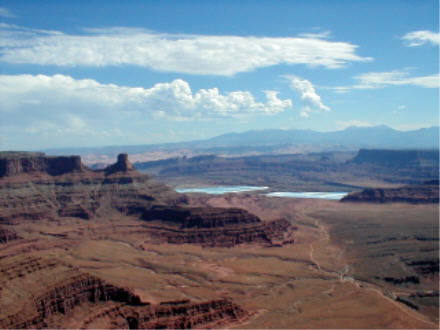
point(220, 189)
point(320, 195)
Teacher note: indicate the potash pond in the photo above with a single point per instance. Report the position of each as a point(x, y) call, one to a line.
point(219, 190)
point(315, 194)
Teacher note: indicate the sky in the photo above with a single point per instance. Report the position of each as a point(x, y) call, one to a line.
point(95, 73)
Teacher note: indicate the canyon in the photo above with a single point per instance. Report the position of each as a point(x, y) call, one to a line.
point(42, 291)
point(35, 187)
point(312, 171)
point(114, 248)
point(52, 193)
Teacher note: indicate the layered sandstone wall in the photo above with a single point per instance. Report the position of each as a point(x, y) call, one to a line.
point(36, 291)
point(122, 165)
point(88, 194)
point(13, 164)
point(37, 187)
point(396, 157)
point(201, 217)
point(16, 164)
point(416, 194)
point(171, 315)
point(63, 297)
point(273, 233)
point(221, 227)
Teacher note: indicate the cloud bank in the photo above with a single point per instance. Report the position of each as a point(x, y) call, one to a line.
point(419, 38)
point(190, 54)
point(310, 98)
point(36, 100)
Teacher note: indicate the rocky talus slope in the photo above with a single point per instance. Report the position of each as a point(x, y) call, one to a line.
point(40, 292)
point(35, 187)
point(417, 194)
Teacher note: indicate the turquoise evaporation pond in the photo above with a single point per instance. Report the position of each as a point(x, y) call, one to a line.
point(237, 189)
point(321, 195)
point(220, 190)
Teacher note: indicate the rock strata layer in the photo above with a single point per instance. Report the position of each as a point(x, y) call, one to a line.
point(171, 315)
point(42, 292)
point(396, 158)
point(34, 187)
point(416, 194)
point(37, 187)
point(15, 164)
point(217, 227)
point(201, 217)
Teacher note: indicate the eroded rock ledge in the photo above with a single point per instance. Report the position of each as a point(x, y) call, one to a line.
point(18, 163)
point(42, 292)
point(34, 187)
point(172, 315)
point(217, 227)
point(416, 194)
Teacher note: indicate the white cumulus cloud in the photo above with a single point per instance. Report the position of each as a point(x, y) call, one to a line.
point(419, 38)
point(81, 104)
point(310, 98)
point(191, 54)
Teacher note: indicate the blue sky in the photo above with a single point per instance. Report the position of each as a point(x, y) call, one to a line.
point(92, 73)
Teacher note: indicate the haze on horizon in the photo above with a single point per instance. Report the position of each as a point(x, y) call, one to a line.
point(78, 74)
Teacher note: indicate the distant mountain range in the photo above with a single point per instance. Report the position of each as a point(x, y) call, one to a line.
point(377, 136)
point(270, 140)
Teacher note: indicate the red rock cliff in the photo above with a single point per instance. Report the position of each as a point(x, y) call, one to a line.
point(34, 189)
point(122, 165)
point(212, 226)
point(42, 292)
point(15, 164)
point(416, 194)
